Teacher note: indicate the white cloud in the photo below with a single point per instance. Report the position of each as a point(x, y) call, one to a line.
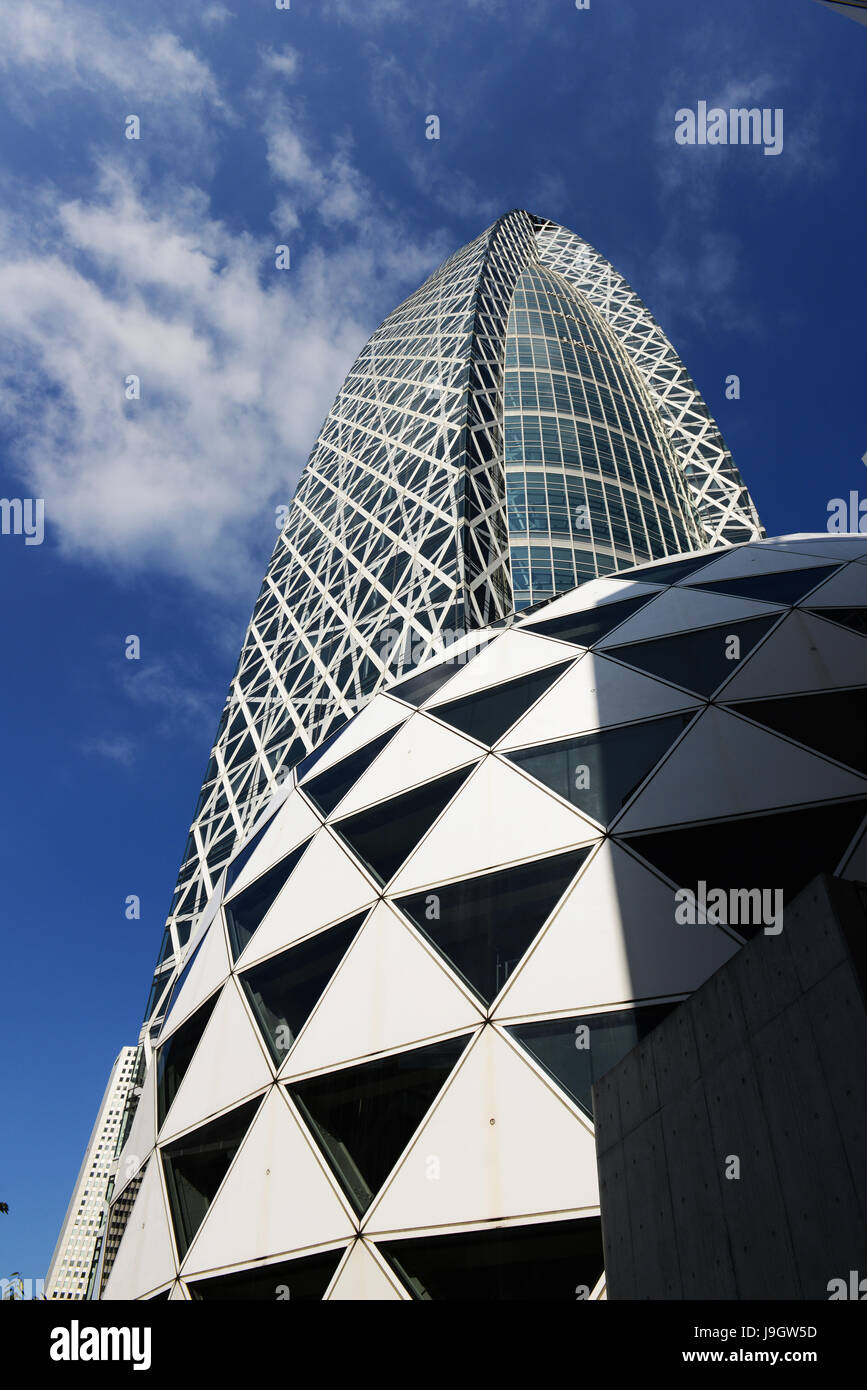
point(65, 46)
point(283, 61)
point(118, 749)
point(214, 15)
point(238, 361)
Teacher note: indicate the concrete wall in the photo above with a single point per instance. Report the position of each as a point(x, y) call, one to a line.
point(767, 1063)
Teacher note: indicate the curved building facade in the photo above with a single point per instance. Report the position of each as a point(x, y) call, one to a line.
point(374, 1078)
point(518, 425)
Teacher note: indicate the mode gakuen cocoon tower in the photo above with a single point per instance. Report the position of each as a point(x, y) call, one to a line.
point(518, 426)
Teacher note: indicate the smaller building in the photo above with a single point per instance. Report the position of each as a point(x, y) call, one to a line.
point(78, 1245)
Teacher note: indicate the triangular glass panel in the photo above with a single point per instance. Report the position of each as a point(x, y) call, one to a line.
point(783, 586)
point(196, 1164)
point(385, 835)
point(545, 1261)
point(487, 714)
point(305, 1279)
point(781, 851)
point(577, 1051)
point(669, 574)
point(599, 772)
point(591, 625)
point(175, 1055)
point(244, 914)
point(304, 766)
point(239, 863)
point(854, 618)
point(416, 689)
point(328, 789)
point(832, 722)
point(182, 978)
point(484, 925)
point(698, 660)
point(284, 990)
point(364, 1117)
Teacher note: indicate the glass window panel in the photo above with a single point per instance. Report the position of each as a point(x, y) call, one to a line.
point(598, 772)
point(487, 714)
point(363, 1117)
point(176, 1054)
point(384, 836)
point(576, 1052)
point(545, 1262)
point(195, 1166)
point(484, 925)
point(328, 789)
point(245, 913)
point(284, 990)
point(697, 660)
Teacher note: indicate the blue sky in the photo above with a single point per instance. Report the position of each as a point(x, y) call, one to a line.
point(155, 257)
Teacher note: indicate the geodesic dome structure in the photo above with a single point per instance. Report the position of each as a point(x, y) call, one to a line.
point(375, 1076)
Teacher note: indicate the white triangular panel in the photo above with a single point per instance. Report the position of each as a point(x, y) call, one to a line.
point(227, 1066)
point(363, 1279)
point(377, 717)
point(142, 1134)
point(419, 752)
point(592, 695)
point(804, 653)
point(514, 653)
point(177, 1294)
point(497, 816)
point(499, 1143)
point(387, 993)
point(325, 887)
point(614, 940)
point(678, 610)
point(275, 1200)
point(209, 969)
point(145, 1259)
point(742, 769)
point(293, 823)
point(752, 560)
point(846, 589)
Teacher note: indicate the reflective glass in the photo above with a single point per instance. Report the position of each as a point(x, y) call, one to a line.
point(244, 914)
point(284, 990)
point(385, 835)
point(363, 1117)
point(599, 772)
point(484, 925)
point(487, 714)
point(196, 1164)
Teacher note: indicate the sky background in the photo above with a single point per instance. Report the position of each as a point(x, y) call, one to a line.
point(156, 257)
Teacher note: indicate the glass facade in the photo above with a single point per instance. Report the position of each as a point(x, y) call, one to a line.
point(591, 482)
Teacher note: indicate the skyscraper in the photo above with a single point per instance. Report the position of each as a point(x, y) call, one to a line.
point(518, 426)
point(83, 1226)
